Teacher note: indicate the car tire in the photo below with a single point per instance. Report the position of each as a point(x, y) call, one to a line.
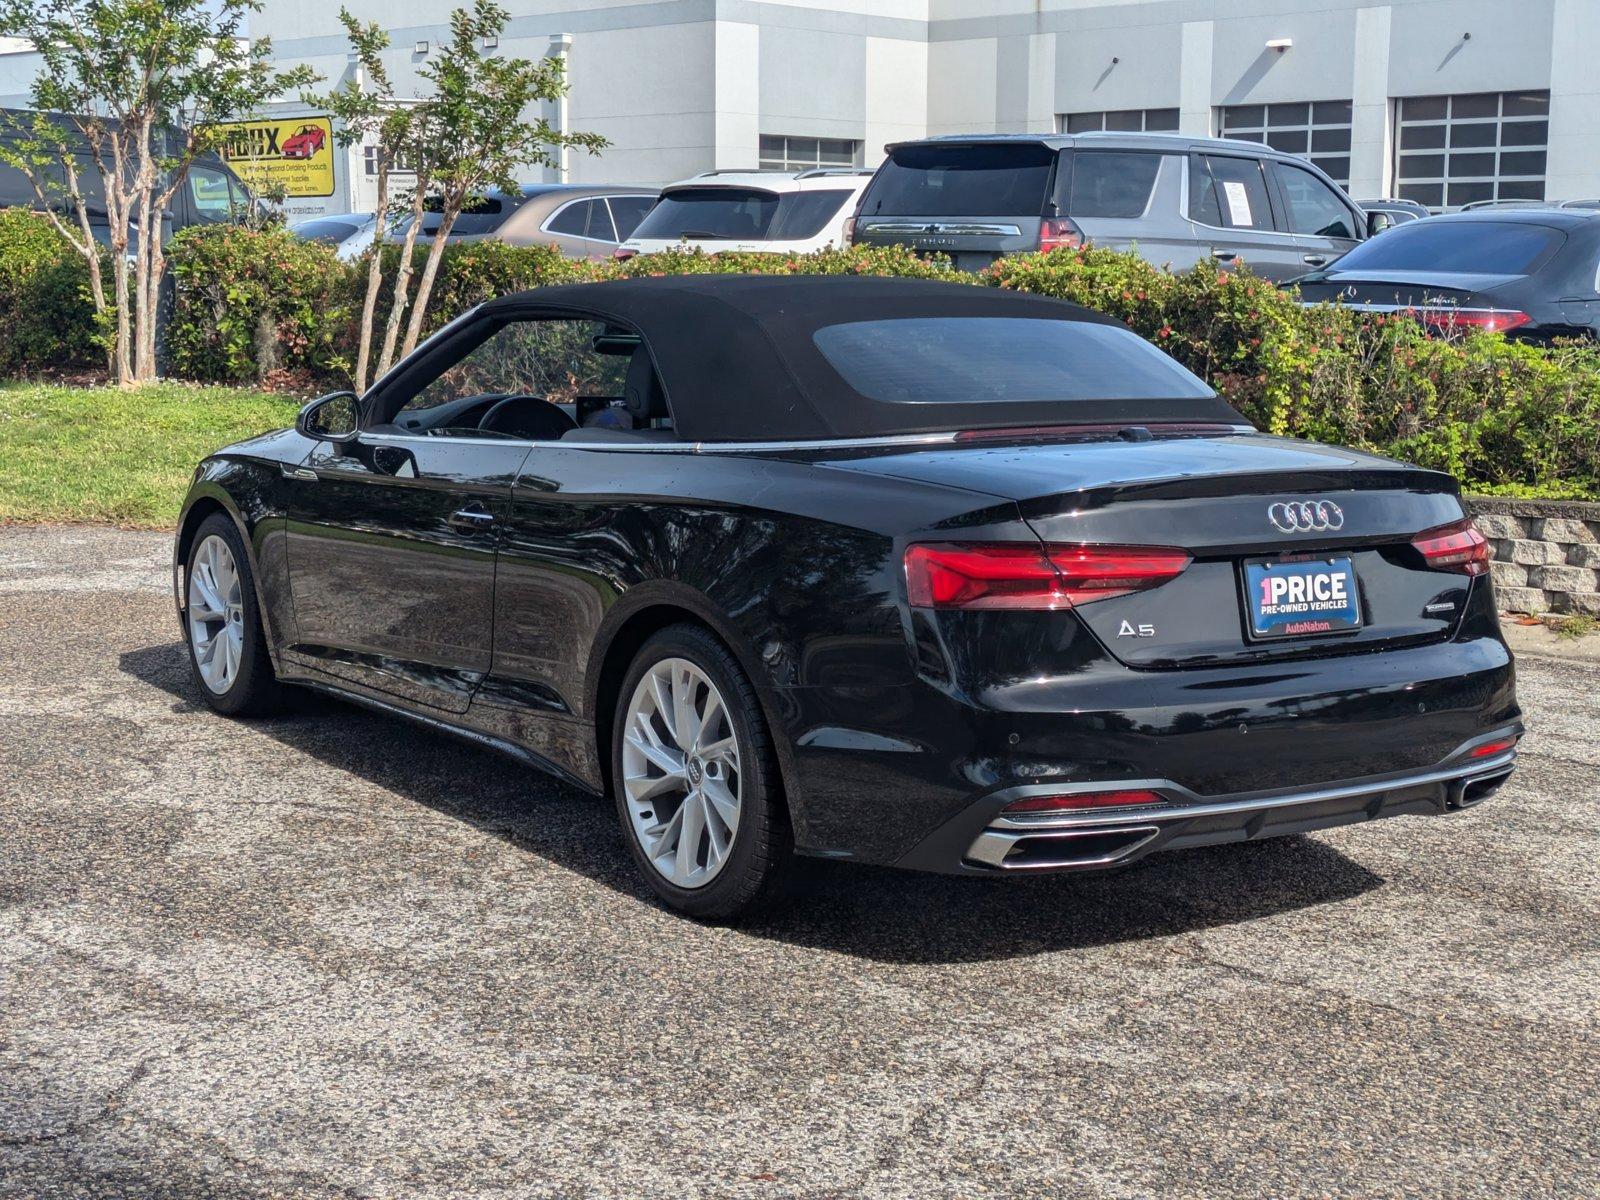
point(657, 781)
point(222, 624)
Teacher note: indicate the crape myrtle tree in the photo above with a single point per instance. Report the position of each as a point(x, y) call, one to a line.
point(472, 133)
point(140, 81)
point(366, 112)
point(39, 145)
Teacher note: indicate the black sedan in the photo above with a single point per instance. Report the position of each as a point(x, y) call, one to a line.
point(920, 574)
point(1528, 273)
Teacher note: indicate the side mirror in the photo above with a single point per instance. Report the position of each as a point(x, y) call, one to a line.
point(1377, 222)
point(332, 418)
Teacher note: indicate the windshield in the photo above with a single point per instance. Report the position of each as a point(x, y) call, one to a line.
point(985, 360)
point(1442, 246)
point(1011, 179)
point(741, 214)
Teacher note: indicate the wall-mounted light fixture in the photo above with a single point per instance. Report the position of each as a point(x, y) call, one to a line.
point(420, 48)
point(491, 43)
point(1279, 44)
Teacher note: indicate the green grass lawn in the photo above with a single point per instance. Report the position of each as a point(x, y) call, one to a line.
point(124, 457)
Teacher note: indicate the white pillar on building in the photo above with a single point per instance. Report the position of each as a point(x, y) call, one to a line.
point(736, 95)
point(1572, 165)
point(1371, 131)
point(560, 48)
point(1194, 78)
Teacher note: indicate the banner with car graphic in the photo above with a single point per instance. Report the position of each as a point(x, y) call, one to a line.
point(295, 153)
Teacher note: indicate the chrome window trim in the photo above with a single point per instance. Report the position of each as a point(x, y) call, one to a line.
point(604, 197)
point(704, 447)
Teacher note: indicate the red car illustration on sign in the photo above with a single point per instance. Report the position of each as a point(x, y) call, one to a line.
point(305, 142)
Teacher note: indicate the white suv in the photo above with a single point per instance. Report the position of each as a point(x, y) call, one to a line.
point(784, 212)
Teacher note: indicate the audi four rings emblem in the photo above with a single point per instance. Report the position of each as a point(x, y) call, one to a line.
point(1306, 516)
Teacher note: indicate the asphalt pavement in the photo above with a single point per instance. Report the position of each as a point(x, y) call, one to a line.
point(331, 955)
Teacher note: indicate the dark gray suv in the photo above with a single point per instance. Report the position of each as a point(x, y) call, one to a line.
point(1172, 198)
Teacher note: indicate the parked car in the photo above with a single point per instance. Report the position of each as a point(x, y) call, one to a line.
point(304, 142)
point(581, 220)
point(348, 233)
point(211, 193)
point(783, 212)
point(892, 571)
point(1481, 205)
point(1173, 199)
point(1530, 273)
point(1398, 211)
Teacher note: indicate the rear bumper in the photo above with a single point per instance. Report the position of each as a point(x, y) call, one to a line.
point(984, 840)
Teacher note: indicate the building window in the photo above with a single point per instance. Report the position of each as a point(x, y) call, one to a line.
point(1455, 150)
point(1316, 130)
point(1126, 120)
point(369, 163)
point(780, 153)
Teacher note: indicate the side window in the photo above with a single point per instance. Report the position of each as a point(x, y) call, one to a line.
point(556, 360)
point(1240, 192)
point(572, 220)
point(600, 222)
point(1112, 184)
point(1313, 206)
point(1203, 205)
point(210, 195)
point(628, 211)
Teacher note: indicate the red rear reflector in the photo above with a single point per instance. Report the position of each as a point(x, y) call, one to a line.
point(1022, 576)
point(1489, 749)
point(1058, 233)
point(1459, 547)
point(1490, 320)
point(1079, 800)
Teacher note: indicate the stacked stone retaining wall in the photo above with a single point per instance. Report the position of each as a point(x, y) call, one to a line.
point(1546, 553)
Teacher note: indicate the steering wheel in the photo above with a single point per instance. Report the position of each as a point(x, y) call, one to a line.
point(532, 418)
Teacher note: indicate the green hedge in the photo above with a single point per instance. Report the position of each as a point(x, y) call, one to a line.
point(46, 315)
point(1505, 417)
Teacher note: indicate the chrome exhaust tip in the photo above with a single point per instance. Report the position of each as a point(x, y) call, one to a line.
point(1060, 849)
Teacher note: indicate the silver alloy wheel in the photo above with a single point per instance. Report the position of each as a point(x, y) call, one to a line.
point(680, 773)
point(216, 614)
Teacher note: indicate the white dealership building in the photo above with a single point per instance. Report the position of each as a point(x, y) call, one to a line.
point(1441, 100)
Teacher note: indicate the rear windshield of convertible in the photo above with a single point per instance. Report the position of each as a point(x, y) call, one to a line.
point(988, 360)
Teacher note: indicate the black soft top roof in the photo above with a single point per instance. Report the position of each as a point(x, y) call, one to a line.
point(736, 357)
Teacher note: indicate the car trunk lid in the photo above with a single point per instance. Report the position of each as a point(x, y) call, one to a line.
point(1243, 507)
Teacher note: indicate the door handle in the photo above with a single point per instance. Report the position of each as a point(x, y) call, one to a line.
point(1314, 260)
point(471, 520)
point(1224, 255)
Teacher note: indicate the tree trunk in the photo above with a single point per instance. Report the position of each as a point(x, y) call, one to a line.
point(419, 306)
point(402, 284)
point(122, 366)
point(369, 305)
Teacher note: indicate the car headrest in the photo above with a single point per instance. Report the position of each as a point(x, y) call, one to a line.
point(641, 391)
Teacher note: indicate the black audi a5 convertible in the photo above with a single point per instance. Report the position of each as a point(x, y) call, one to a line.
point(931, 575)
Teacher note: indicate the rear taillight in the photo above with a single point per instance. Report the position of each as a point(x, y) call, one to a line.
point(621, 253)
point(1058, 233)
point(1076, 801)
point(849, 231)
point(1490, 320)
point(1019, 576)
point(1459, 547)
